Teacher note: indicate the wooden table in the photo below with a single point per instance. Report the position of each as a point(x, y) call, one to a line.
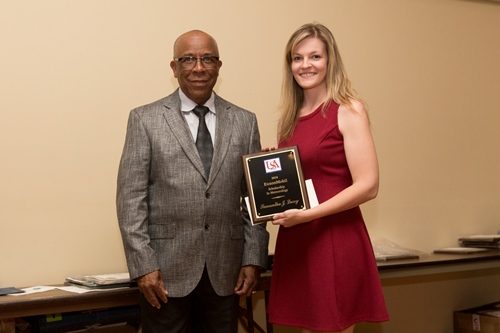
point(59, 301)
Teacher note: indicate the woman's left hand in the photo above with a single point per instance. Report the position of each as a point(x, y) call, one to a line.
point(289, 218)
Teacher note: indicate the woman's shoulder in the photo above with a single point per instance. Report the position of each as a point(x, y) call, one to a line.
point(353, 115)
point(354, 105)
point(353, 108)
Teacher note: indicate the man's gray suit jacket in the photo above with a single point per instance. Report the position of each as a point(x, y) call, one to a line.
point(175, 218)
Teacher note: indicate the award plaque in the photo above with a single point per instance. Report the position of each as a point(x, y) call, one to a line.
point(275, 183)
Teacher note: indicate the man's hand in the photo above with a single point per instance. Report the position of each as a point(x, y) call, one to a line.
point(152, 287)
point(247, 280)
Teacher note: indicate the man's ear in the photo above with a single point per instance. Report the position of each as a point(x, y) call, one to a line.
point(173, 65)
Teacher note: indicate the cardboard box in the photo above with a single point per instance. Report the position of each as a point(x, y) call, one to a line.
point(483, 319)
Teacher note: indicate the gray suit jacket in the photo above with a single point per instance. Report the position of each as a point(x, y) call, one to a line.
point(175, 218)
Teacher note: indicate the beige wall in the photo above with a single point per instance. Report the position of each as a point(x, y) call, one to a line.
point(72, 70)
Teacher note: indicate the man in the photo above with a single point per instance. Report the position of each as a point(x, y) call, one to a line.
point(188, 244)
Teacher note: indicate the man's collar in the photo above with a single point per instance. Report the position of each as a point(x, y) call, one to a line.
point(188, 105)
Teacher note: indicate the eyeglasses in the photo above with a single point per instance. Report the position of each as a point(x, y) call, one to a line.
point(189, 62)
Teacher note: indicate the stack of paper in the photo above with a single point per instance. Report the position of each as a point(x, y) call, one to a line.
point(386, 250)
point(101, 280)
point(481, 241)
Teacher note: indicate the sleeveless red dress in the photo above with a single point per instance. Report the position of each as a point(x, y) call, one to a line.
point(324, 275)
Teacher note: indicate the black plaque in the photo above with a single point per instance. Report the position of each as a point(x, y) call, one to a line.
point(275, 183)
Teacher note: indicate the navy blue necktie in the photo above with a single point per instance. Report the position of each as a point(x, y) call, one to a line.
point(203, 139)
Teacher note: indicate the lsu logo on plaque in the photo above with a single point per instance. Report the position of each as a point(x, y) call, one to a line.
point(272, 165)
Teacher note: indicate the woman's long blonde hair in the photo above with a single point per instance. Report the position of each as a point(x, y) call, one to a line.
point(338, 85)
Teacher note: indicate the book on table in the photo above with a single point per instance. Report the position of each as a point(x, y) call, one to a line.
point(481, 241)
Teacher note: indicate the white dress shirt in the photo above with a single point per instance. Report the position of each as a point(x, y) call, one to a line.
point(192, 119)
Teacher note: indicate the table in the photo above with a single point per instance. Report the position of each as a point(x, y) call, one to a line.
point(59, 301)
point(439, 263)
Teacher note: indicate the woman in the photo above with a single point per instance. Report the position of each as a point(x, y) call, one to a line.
point(325, 277)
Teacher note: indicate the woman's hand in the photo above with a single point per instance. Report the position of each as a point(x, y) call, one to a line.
point(290, 217)
point(267, 149)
